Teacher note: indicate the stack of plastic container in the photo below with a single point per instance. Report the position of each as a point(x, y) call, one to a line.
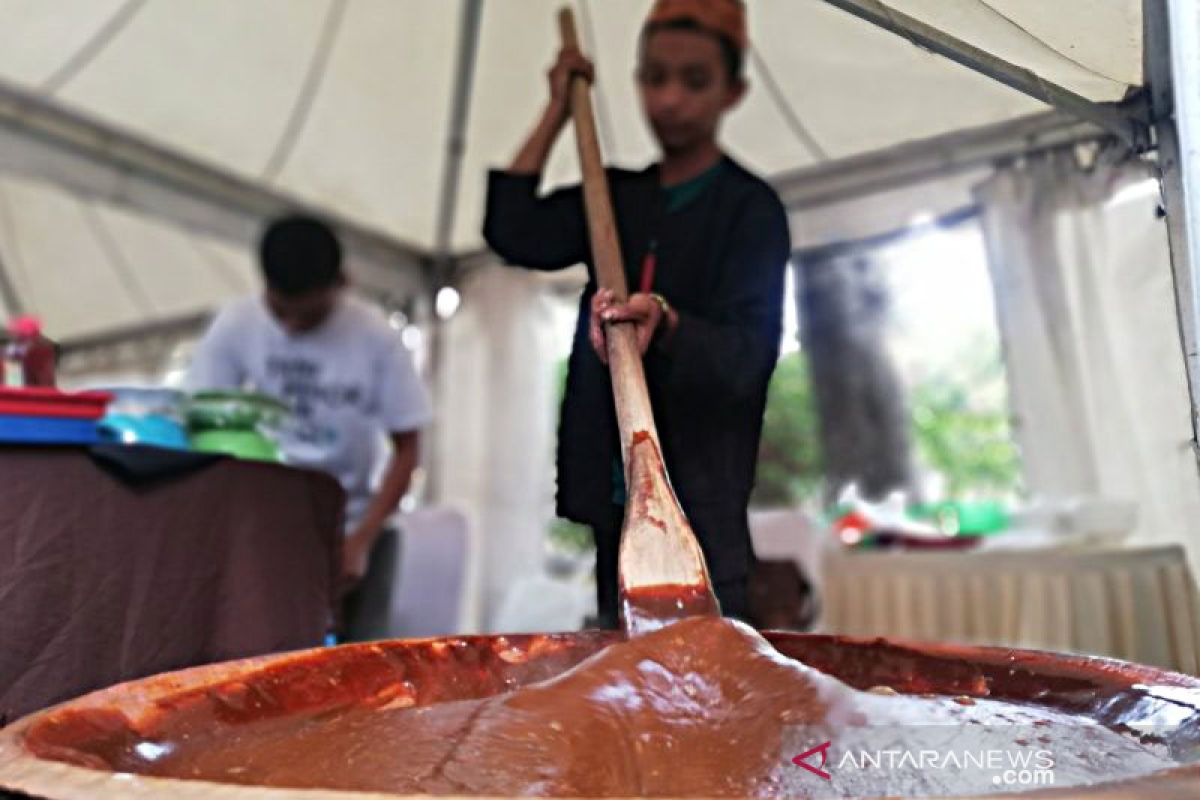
point(32, 411)
point(35, 415)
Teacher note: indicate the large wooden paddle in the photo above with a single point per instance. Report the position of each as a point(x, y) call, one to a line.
point(662, 572)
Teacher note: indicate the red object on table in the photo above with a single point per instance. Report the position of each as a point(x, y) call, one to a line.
point(40, 363)
point(40, 402)
point(851, 527)
point(31, 354)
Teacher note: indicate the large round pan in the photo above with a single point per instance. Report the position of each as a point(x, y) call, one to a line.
point(59, 752)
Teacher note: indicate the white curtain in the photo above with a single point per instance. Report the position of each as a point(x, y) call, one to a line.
point(494, 443)
point(1082, 278)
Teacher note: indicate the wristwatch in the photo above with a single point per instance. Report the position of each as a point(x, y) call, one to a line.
point(662, 303)
point(664, 331)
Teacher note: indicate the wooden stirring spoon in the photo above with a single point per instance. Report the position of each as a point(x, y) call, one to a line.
point(663, 576)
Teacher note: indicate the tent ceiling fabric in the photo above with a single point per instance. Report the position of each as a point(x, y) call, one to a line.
point(346, 103)
point(1092, 48)
point(222, 80)
point(86, 268)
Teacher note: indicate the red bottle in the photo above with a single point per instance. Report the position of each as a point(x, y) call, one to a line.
point(29, 357)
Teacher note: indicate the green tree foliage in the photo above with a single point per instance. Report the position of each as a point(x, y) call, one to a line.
point(960, 430)
point(961, 426)
point(789, 456)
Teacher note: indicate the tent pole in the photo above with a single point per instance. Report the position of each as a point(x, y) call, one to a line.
point(181, 326)
point(129, 347)
point(43, 140)
point(1169, 80)
point(456, 143)
point(1122, 122)
point(13, 303)
point(925, 159)
point(441, 272)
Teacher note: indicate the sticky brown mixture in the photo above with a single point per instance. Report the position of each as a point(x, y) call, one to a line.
point(700, 708)
point(696, 708)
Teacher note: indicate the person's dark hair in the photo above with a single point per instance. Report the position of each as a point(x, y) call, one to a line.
point(730, 54)
point(300, 254)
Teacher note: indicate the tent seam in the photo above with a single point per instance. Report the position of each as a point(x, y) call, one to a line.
point(108, 243)
point(93, 47)
point(1090, 70)
point(26, 291)
point(309, 88)
point(790, 116)
point(230, 277)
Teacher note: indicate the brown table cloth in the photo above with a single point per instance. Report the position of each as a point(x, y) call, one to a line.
point(102, 581)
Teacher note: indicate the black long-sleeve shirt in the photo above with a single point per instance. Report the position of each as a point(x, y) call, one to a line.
point(720, 262)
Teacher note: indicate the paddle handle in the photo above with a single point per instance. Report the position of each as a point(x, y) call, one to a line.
point(624, 359)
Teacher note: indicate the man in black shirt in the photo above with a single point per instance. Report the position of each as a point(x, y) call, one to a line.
point(705, 244)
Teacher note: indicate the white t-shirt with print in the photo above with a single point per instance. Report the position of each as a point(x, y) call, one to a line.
point(348, 382)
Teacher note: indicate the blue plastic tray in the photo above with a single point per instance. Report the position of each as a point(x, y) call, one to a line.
point(47, 430)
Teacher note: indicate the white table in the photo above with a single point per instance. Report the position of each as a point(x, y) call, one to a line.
point(1138, 604)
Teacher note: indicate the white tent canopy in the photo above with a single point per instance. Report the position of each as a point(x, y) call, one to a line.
point(346, 105)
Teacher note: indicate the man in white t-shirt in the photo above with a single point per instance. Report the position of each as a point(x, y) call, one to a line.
point(349, 381)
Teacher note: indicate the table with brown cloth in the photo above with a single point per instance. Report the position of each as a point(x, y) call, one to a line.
point(105, 579)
